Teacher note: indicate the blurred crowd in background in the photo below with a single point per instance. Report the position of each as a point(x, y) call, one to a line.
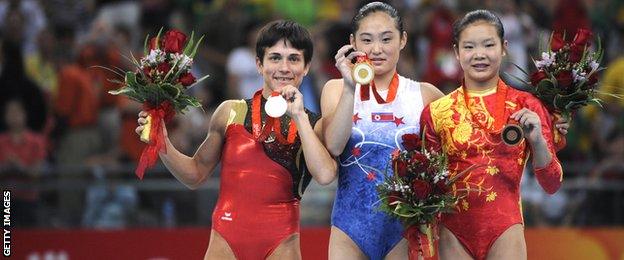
point(68, 149)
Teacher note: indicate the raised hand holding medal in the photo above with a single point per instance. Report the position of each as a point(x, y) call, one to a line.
point(363, 71)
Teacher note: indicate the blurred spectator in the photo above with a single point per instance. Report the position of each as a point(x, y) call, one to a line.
point(77, 107)
point(569, 16)
point(15, 83)
point(42, 65)
point(22, 20)
point(243, 77)
point(443, 70)
point(110, 206)
point(22, 153)
point(519, 33)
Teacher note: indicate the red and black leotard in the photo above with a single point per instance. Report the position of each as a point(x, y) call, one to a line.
point(261, 185)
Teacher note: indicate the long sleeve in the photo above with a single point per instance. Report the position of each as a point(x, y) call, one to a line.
point(551, 175)
point(432, 140)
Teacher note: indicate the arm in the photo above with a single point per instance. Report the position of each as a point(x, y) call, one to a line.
point(538, 132)
point(432, 140)
point(337, 104)
point(193, 171)
point(321, 165)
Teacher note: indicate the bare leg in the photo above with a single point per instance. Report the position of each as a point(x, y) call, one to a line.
point(289, 248)
point(399, 252)
point(342, 247)
point(218, 248)
point(450, 247)
point(509, 245)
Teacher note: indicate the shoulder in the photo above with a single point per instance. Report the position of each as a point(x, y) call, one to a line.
point(332, 89)
point(430, 92)
point(444, 103)
point(224, 110)
point(334, 84)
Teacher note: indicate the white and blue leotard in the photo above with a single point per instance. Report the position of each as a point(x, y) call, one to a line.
point(376, 133)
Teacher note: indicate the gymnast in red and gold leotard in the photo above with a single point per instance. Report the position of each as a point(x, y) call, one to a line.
point(266, 162)
point(466, 125)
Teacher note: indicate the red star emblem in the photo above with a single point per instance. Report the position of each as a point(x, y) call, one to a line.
point(356, 118)
point(398, 120)
point(356, 151)
point(371, 176)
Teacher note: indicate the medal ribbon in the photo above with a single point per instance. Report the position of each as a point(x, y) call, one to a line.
point(272, 124)
point(499, 107)
point(392, 91)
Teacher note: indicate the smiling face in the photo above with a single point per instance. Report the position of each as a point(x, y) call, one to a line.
point(480, 52)
point(282, 65)
point(379, 37)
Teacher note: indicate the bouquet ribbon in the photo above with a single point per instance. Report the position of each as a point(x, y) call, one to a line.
point(161, 113)
point(420, 240)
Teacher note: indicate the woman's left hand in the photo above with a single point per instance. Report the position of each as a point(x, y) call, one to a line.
point(294, 99)
point(530, 123)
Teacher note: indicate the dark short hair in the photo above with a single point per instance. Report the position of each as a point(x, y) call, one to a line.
point(290, 31)
point(476, 16)
point(376, 7)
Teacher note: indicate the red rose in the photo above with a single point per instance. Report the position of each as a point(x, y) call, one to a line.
point(411, 142)
point(591, 81)
point(163, 67)
point(173, 41)
point(419, 157)
point(556, 43)
point(401, 168)
point(537, 77)
point(441, 187)
point(187, 79)
point(147, 70)
point(421, 189)
point(152, 43)
point(564, 79)
point(576, 52)
point(582, 37)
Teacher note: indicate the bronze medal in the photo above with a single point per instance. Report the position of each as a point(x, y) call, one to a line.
point(512, 134)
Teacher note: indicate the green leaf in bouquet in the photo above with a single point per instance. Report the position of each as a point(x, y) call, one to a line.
point(171, 90)
point(145, 48)
point(189, 44)
point(121, 91)
point(520, 83)
point(129, 92)
point(131, 80)
point(596, 101)
point(158, 38)
point(195, 48)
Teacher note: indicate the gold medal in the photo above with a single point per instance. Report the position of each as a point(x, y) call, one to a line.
point(363, 71)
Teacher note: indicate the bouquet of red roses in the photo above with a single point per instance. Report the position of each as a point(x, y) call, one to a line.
point(158, 82)
point(418, 190)
point(567, 73)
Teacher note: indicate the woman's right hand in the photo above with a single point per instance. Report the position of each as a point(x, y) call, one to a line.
point(142, 120)
point(344, 64)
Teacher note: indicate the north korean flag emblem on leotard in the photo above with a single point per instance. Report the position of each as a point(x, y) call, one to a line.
point(382, 117)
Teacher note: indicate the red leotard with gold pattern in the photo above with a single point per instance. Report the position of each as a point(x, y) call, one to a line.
point(261, 184)
point(465, 133)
